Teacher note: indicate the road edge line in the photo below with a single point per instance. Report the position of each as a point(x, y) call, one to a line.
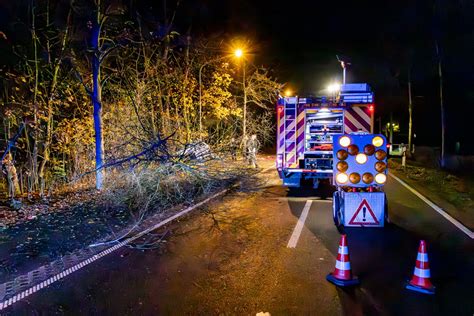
point(438, 209)
point(299, 225)
point(53, 279)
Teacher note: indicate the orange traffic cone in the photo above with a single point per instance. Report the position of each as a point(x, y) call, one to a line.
point(420, 281)
point(342, 274)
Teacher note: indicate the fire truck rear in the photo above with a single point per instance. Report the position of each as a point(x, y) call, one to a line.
point(305, 129)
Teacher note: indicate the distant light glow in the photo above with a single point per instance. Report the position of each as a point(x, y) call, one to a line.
point(238, 53)
point(333, 87)
point(288, 93)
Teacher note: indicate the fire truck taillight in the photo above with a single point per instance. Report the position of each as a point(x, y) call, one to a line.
point(380, 178)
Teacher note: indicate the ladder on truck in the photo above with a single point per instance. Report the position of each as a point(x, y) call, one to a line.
point(290, 132)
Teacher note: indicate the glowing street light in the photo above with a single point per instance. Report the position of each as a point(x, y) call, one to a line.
point(288, 93)
point(333, 88)
point(238, 53)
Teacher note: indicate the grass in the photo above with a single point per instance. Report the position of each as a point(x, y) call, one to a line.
point(440, 185)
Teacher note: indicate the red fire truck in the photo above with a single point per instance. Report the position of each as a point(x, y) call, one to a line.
point(305, 129)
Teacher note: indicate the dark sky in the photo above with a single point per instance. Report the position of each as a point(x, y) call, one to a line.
point(299, 40)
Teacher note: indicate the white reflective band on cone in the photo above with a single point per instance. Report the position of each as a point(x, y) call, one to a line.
point(343, 265)
point(422, 273)
point(423, 257)
point(343, 250)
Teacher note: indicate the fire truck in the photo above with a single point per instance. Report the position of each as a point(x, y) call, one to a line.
point(306, 127)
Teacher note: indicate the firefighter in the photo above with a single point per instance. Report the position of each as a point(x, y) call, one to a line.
point(252, 148)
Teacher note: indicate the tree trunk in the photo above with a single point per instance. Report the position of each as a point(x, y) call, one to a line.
point(96, 97)
point(34, 161)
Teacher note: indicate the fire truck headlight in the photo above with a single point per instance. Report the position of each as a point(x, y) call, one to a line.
point(342, 178)
point(361, 158)
point(354, 177)
point(353, 149)
point(341, 154)
point(380, 154)
point(342, 166)
point(369, 150)
point(368, 178)
point(377, 141)
point(380, 178)
point(344, 141)
point(380, 166)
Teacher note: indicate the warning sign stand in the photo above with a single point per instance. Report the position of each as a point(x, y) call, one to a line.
point(363, 209)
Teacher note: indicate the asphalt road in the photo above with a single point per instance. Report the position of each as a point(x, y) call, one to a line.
point(232, 258)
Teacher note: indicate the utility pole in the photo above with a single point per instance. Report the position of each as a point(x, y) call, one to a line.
point(410, 113)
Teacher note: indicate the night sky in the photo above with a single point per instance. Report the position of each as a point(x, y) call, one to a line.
point(299, 41)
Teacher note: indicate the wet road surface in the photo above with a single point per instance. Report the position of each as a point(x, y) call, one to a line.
point(232, 258)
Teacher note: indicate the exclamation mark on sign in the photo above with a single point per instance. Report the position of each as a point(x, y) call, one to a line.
point(363, 213)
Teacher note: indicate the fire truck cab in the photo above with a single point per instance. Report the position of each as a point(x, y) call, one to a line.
point(305, 129)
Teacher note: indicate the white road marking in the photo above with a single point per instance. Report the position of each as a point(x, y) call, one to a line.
point(438, 209)
point(299, 225)
point(20, 296)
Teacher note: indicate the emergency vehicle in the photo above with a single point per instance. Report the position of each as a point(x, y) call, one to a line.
point(306, 127)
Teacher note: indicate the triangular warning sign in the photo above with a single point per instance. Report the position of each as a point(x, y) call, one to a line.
point(364, 215)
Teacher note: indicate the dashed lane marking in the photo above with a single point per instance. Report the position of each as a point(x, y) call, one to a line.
point(438, 209)
point(299, 225)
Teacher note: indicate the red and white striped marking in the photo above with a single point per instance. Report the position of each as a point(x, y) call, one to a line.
point(421, 273)
point(342, 270)
point(356, 119)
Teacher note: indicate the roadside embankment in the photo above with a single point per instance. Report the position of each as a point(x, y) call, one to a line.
point(453, 193)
